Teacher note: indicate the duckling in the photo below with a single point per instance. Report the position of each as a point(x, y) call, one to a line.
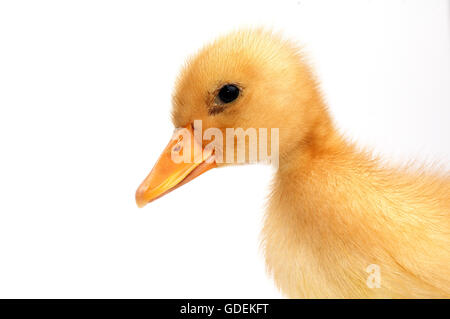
point(335, 213)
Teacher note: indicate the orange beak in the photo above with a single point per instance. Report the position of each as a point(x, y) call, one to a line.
point(169, 173)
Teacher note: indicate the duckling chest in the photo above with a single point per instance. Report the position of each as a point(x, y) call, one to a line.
point(289, 259)
point(303, 257)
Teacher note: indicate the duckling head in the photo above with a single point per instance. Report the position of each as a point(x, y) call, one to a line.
point(251, 79)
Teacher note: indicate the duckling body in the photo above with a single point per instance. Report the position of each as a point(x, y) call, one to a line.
point(334, 211)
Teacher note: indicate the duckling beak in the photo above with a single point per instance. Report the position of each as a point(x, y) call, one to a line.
point(168, 174)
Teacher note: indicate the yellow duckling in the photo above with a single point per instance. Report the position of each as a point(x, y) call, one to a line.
point(337, 218)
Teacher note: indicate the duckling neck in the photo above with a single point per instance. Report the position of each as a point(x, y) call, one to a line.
point(310, 224)
point(320, 144)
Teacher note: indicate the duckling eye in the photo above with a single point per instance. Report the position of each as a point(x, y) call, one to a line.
point(228, 93)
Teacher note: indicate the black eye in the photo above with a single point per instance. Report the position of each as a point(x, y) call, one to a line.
point(228, 93)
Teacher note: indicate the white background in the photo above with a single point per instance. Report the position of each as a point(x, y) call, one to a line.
point(84, 112)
